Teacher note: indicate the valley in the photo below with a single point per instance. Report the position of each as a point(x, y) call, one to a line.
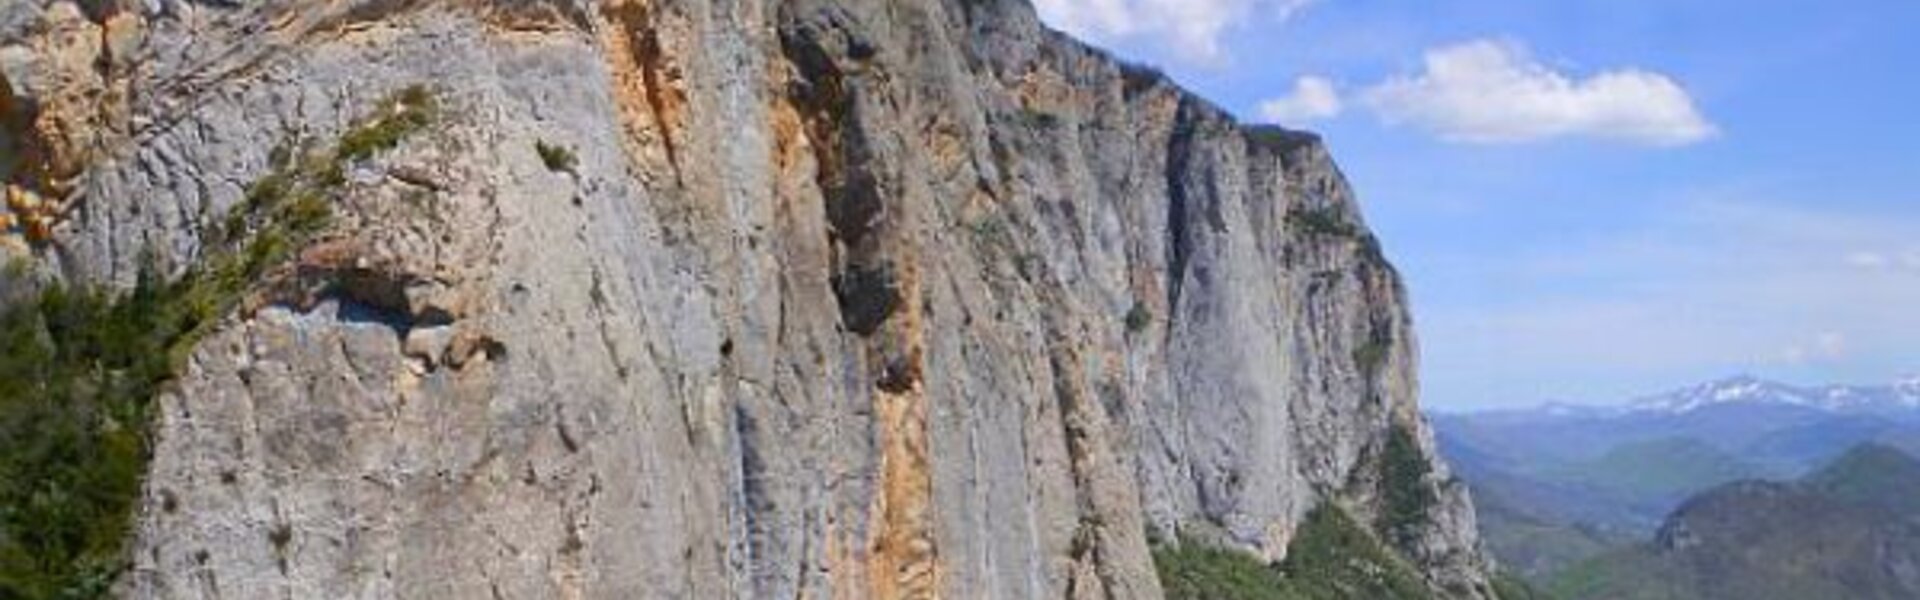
point(1585, 499)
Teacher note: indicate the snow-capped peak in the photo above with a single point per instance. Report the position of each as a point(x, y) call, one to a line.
point(1743, 389)
point(1569, 409)
point(1901, 397)
point(1908, 391)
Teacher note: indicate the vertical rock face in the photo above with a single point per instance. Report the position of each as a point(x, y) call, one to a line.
point(832, 298)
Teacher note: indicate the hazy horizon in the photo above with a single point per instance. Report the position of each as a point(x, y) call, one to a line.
point(1645, 394)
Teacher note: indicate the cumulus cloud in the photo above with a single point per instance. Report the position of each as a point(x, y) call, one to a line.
point(1191, 29)
point(1488, 91)
point(1312, 99)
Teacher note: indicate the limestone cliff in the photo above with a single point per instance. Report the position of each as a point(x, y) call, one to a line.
point(721, 298)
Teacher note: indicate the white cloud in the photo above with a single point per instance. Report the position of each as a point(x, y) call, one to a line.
point(1868, 260)
point(1191, 29)
point(1312, 99)
point(1825, 347)
point(1488, 91)
point(1908, 260)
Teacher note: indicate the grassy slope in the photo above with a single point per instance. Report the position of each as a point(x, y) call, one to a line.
point(1535, 547)
point(1331, 558)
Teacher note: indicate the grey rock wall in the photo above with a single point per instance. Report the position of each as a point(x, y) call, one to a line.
point(843, 298)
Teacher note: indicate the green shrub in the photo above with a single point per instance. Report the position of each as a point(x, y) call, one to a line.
point(1195, 571)
point(1372, 354)
point(1139, 317)
point(17, 268)
point(1040, 119)
point(1405, 494)
point(1321, 222)
point(1327, 222)
point(79, 369)
point(1330, 558)
point(1278, 139)
point(557, 158)
point(1333, 558)
point(402, 114)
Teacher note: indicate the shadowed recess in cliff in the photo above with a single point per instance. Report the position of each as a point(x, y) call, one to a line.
point(864, 280)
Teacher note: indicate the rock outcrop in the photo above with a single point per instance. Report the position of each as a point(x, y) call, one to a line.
point(724, 298)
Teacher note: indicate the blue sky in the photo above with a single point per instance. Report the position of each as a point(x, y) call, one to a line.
point(1597, 199)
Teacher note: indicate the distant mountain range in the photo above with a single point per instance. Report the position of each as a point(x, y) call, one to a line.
point(1900, 399)
point(1562, 483)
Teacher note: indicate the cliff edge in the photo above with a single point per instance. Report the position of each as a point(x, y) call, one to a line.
point(717, 298)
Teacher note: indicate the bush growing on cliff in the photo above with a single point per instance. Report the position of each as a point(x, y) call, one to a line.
point(1321, 222)
point(79, 369)
point(1196, 571)
point(1040, 119)
point(1139, 77)
point(1370, 357)
point(1139, 317)
point(1406, 497)
point(1278, 138)
point(1334, 558)
point(1330, 558)
point(557, 158)
point(1373, 353)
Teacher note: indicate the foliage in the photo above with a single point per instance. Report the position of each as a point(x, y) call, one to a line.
point(1535, 547)
point(1040, 119)
point(557, 158)
point(1372, 355)
point(1331, 558)
point(1406, 496)
point(79, 369)
point(1195, 571)
point(1871, 474)
point(1139, 77)
point(1278, 139)
point(402, 114)
point(1507, 586)
point(991, 230)
point(1322, 222)
point(1139, 317)
point(1830, 534)
point(995, 234)
point(1627, 574)
point(1328, 222)
point(16, 269)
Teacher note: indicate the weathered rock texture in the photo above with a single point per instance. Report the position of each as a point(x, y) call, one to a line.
point(841, 298)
